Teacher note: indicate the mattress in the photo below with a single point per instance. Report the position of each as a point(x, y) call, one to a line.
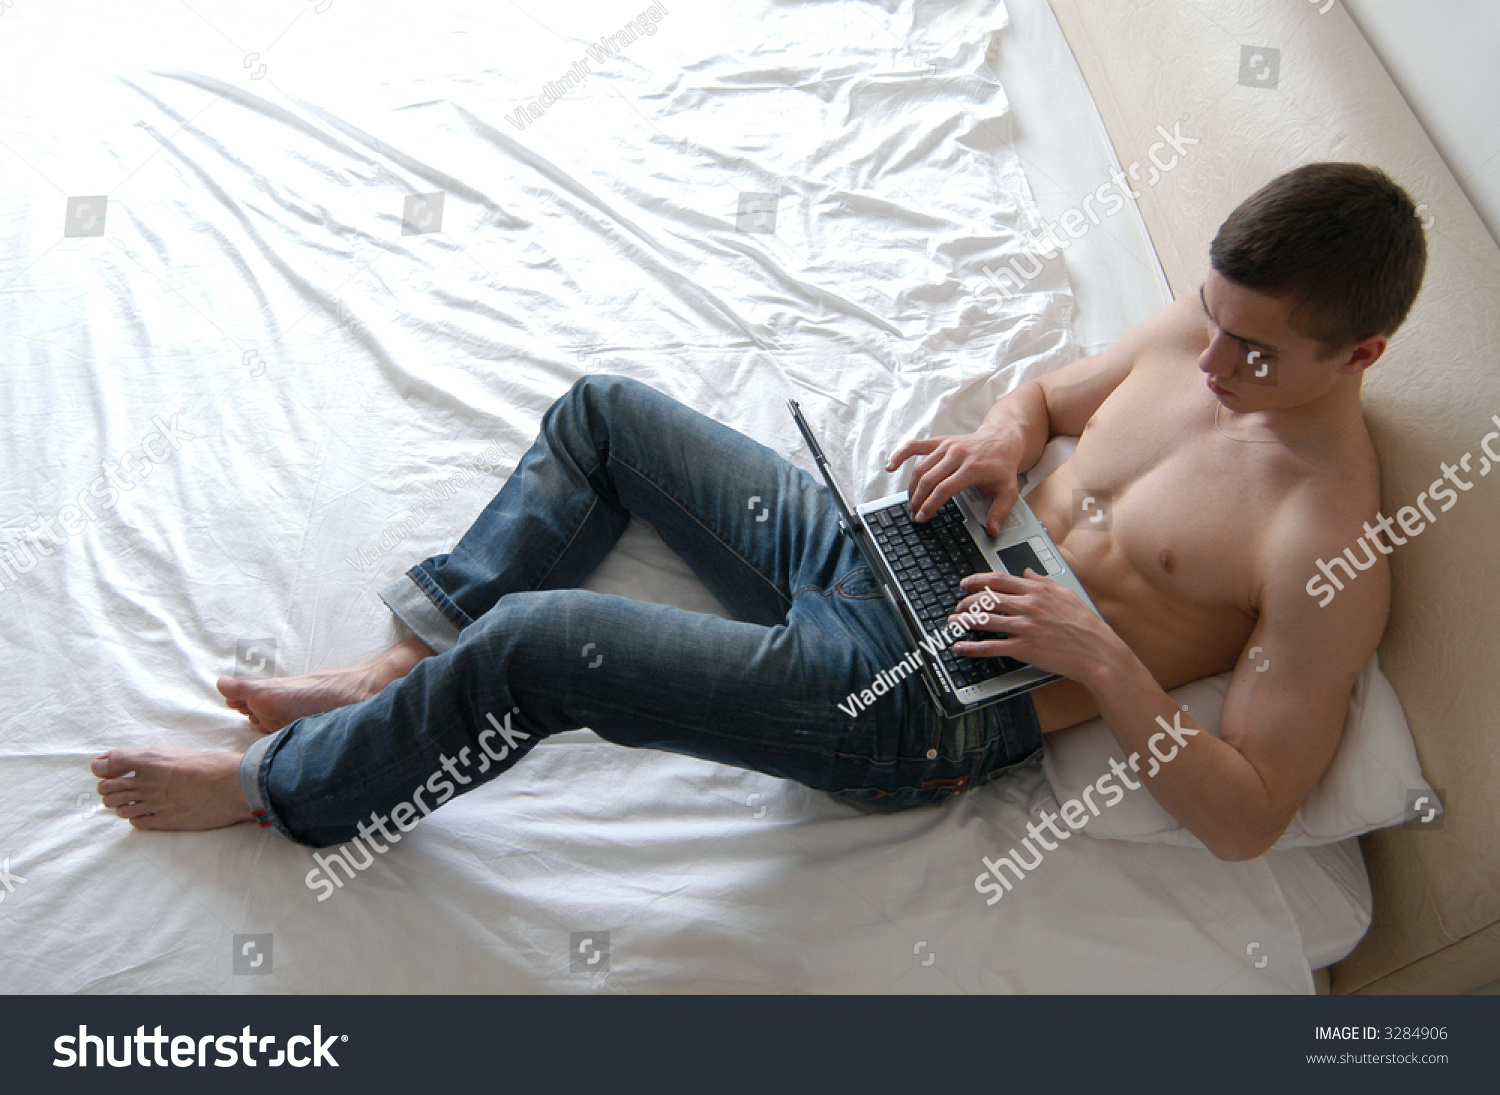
point(298, 290)
point(1328, 891)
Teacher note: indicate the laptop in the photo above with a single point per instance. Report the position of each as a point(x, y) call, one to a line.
point(919, 566)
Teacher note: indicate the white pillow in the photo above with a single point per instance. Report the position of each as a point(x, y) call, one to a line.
point(1372, 782)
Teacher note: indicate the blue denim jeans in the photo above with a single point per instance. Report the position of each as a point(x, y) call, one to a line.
point(521, 653)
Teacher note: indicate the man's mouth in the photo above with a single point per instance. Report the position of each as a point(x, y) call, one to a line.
point(1216, 389)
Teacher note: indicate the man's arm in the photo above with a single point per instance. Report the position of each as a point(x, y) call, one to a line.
point(1283, 713)
point(1285, 708)
point(1018, 427)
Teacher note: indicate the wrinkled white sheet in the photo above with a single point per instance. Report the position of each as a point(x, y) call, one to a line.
point(332, 373)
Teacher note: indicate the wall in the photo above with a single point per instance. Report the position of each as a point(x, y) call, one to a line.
point(1441, 54)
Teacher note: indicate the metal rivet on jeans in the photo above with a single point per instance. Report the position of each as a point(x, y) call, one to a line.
point(931, 753)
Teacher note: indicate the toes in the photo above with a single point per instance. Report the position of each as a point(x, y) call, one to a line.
point(114, 764)
point(236, 693)
point(121, 798)
point(134, 811)
point(112, 786)
point(140, 820)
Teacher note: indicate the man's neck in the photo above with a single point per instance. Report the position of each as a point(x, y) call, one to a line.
point(1330, 415)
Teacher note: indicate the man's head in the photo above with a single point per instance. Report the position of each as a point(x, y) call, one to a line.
point(1310, 276)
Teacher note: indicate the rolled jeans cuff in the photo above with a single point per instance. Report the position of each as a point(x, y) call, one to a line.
point(252, 781)
point(413, 598)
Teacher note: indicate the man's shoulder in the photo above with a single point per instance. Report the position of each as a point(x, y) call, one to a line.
point(1173, 332)
point(1324, 501)
point(1166, 337)
point(1334, 485)
point(1324, 511)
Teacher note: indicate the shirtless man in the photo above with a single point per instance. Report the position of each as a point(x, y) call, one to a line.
point(1224, 435)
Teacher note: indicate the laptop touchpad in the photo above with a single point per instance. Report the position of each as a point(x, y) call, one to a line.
point(1018, 557)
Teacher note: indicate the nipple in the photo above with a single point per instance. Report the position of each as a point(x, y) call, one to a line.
point(1168, 561)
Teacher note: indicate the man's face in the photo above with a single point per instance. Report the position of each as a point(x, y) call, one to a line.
point(1255, 361)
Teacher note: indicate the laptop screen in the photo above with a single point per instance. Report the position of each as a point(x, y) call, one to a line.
point(850, 521)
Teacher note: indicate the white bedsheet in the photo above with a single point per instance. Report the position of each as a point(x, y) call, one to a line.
point(253, 279)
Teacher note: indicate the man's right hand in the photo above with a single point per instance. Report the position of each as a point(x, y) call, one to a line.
point(954, 463)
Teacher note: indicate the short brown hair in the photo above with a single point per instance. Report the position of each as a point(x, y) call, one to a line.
point(1341, 239)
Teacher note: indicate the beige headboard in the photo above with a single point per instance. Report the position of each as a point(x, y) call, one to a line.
point(1437, 891)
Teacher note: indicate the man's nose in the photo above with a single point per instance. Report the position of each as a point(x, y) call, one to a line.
point(1221, 357)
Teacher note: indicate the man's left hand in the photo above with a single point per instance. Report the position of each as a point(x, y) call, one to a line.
point(1044, 624)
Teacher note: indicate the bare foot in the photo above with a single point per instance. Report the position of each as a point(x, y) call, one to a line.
point(158, 788)
point(271, 704)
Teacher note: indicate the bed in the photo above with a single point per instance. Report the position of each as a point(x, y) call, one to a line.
point(1319, 92)
point(320, 280)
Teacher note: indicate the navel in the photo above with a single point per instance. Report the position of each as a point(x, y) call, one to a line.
point(1168, 561)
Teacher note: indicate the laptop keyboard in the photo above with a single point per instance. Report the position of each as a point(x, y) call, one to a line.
point(930, 560)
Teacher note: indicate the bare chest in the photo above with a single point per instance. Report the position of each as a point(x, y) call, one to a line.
point(1156, 501)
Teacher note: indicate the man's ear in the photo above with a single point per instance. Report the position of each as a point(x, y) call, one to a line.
point(1363, 354)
